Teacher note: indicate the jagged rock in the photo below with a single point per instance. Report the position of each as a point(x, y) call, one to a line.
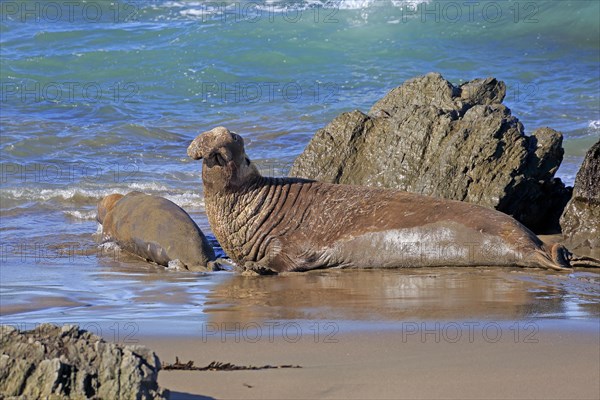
point(430, 137)
point(581, 220)
point(68, 363)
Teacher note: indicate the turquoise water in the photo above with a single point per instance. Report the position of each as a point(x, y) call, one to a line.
point(104, 96)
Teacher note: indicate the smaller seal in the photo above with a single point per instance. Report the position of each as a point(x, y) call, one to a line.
point(155, 229)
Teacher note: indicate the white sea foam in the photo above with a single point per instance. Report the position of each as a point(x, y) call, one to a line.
point(35, 194)
point(191, 198)
point(148, 187)
point(197, 9)
point(181, 4)
point(109, 246)
point(194, 12)
point(83, 215)
point(186, 200)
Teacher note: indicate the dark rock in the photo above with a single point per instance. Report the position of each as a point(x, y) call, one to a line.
point(68, 363)
point(430, 137)
point(581, 220)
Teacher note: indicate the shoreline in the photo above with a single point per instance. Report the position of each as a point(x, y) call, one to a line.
point(354, 299)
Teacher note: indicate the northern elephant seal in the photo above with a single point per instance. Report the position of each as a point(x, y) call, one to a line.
point(155, 229)
point(290, 224)
point(107, 204)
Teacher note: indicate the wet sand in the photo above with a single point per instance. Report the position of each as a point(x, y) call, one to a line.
point(447, 333)
point(183, 302)
point(36, 304)
point(407, 294)
point(394, 364)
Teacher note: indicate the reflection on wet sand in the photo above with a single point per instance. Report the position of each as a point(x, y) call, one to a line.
point(27, 303)
point(397, 295)
point(126, 289)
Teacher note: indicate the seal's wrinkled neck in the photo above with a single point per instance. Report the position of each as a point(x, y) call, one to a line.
point(230, 181)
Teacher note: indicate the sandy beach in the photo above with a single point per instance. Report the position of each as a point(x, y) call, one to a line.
point(427, 333)
point(447, 333)
point(444, 360)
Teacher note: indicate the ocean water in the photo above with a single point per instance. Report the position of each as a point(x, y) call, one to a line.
point(103, 96)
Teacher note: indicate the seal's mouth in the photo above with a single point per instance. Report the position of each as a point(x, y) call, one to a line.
point(219, 159)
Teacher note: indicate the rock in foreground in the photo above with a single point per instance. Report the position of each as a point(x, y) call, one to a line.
point(430, 137)
point(581, 220)
point(68, 363)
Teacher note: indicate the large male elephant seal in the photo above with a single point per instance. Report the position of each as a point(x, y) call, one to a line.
point(156, 229)
point(290, 224)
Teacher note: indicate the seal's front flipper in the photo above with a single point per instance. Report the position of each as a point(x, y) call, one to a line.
point(253, 268)
point(175, 265)
point(221, 264)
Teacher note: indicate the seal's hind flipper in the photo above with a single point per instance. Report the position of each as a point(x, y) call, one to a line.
point(585, 262)
point(556, 259)
point(563, 259)
point(561, 256)
point(566, 259)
